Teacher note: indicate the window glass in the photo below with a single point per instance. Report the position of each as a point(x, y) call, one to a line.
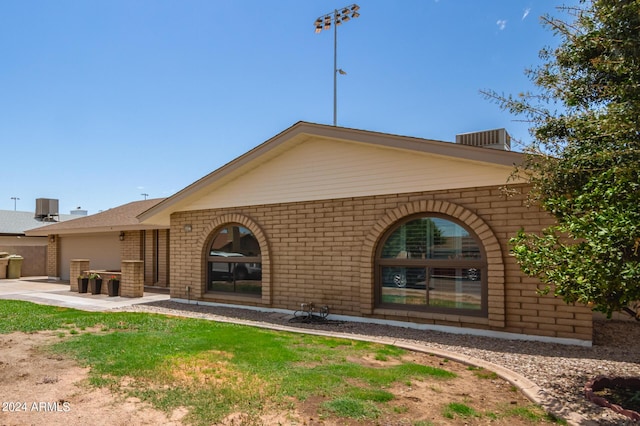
point(234, 263)
point(402, 285)
point(430, 238)
point(457, 288)
point(431, 263)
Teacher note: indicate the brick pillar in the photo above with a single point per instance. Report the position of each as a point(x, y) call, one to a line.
point(132, 283)
point(78, 266)
point(131, 245)
point(52, 257)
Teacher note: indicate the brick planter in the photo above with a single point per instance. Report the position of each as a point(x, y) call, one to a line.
point(602, 382)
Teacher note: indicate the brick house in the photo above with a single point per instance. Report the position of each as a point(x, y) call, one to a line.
point(106, 239)
point(374, 226)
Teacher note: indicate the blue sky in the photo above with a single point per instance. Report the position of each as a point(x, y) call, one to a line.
point(102, 101)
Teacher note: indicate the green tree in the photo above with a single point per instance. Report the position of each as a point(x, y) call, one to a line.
point(583, 163)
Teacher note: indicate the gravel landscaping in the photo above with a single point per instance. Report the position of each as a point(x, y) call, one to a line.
point(560, 371)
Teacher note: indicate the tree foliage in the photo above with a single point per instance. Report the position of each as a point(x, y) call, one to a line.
point(584, 160)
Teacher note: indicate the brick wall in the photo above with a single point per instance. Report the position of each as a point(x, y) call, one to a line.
point(36, 257)
point(52, 257)
point(77, 268)
point(131, 246)
point(132, 278)
point(323, 252)
point(156, 257)
point(149, 258)
point(162, 280)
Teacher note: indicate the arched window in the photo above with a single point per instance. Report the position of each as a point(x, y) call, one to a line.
point(234, 263)
point(431, 263)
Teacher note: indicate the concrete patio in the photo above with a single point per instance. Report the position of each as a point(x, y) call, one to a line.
point(50, 292)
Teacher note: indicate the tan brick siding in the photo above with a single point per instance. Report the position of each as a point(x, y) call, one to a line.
point(77, 268)
point(53, 268)
point(162, 279)
point(131, 246)
point(322, 252)
point(142, 245)
point(132, 278)
point(149, 258)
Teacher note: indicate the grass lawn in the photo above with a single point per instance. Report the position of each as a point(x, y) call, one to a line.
point(215, 369)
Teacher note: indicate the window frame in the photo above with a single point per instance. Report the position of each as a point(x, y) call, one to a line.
point(381, 262)
point(209, 259)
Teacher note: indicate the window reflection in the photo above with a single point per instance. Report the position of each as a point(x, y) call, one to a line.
point(431, 263)
point(234, 262)
point(430, 238)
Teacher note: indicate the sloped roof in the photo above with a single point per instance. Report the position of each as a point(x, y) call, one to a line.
point(120, 218)
point(303, 132)
point(16, 223)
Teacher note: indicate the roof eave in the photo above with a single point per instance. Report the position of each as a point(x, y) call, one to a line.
point(43, 232)
point(160, 213)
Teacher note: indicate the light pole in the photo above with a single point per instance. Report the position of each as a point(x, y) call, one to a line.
point(15, 202)
point(337, 17)
point(145, 195)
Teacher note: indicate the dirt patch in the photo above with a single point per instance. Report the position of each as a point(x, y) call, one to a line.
point(424, 400)
point(205, 368)
point(39, 388)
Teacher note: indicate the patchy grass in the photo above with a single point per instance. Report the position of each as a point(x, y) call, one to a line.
point(352, 408)
point(458, 409)
point(531, 414)
point(216, 369)
point(481, 373)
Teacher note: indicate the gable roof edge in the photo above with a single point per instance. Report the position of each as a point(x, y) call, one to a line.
point(449, 149)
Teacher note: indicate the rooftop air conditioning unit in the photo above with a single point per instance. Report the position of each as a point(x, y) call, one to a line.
point(496, 139)
point(46, 208)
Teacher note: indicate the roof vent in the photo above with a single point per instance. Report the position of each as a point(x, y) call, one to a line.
point(46, 209)
point(78, 212)
point(496, 139)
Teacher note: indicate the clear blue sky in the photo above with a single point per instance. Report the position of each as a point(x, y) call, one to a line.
point(104, 100)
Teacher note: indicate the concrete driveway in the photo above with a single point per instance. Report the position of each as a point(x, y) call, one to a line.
point(49, 292)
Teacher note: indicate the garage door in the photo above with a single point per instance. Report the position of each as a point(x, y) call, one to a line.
point(102, 250)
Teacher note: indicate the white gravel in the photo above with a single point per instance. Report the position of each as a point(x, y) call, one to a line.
point(561, 371)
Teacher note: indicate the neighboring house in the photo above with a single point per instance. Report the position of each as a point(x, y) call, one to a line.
point(14, 225)
point(107, 238)
point(372, 225)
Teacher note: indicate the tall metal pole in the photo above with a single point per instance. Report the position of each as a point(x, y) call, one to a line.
point(335, 69)
point(15, 202)
point(336, 18)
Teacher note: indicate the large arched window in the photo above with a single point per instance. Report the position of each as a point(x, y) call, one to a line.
point(234, 263)
point(431, 263)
